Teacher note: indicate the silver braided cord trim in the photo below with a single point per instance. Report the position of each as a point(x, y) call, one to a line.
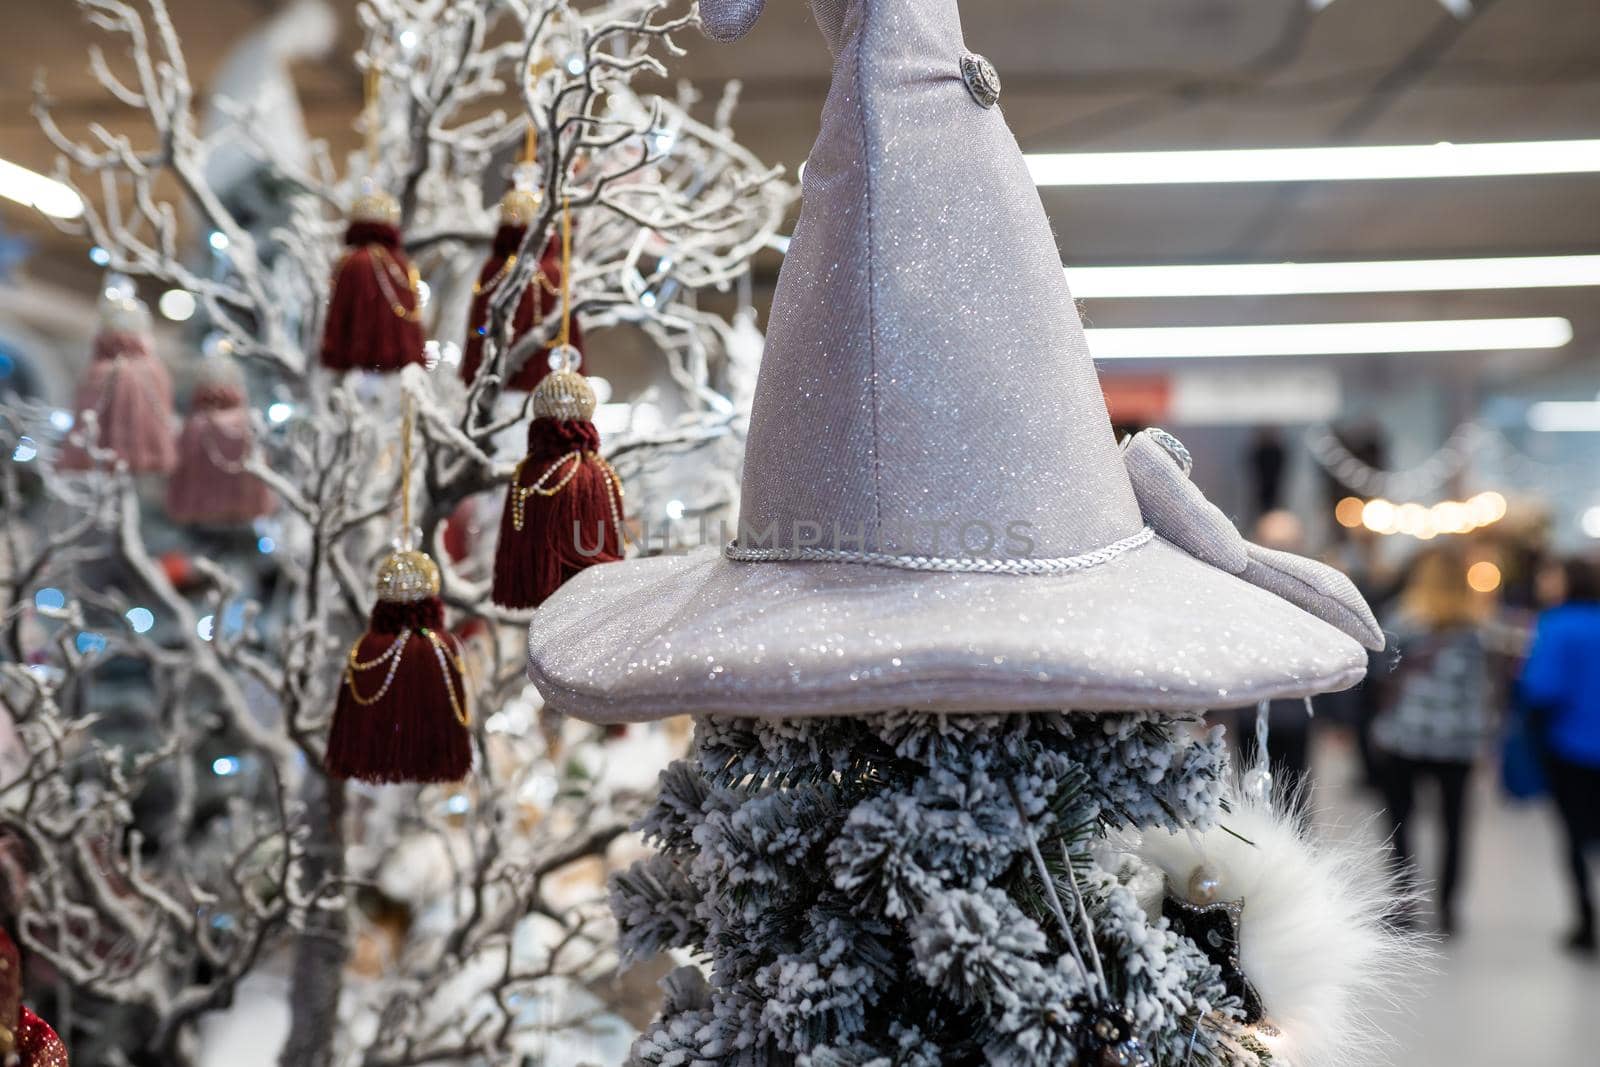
point(1175, 448)
point(959, 565)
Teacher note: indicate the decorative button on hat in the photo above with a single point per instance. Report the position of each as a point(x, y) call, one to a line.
point(982, 80)
point(935, 513)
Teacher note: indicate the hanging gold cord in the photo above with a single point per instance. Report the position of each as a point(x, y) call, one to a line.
point(407, 418)
point(369, 110)
point(566, 270)
point(530, 143)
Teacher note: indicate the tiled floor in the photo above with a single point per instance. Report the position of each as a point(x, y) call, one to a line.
point(1505, 994)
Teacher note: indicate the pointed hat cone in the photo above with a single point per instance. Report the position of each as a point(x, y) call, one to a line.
point(935, 513)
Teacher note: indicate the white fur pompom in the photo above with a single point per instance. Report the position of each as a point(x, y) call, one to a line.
point(1317, 938)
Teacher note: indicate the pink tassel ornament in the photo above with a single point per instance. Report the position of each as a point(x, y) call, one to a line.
point(210, 486)
point(126, 393)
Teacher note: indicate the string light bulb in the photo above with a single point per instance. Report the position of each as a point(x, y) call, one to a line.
point(1483, 576)
point(1422, 521)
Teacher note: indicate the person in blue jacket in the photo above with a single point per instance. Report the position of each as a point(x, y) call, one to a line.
point(1561, 684)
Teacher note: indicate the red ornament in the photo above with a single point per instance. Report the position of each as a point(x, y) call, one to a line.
point(374, 321)
point(460, 533)
point(22, 1033)
point(563, 508)
point(517, 210)
point(209, 486)
point(402, 712)
point(459, 537)
point(178, 568)
point(129, 393)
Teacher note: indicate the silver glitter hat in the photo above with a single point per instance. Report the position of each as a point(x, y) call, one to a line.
point(935, 513)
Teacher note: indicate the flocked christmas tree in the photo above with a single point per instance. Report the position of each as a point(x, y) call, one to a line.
point(951, 800)
point(177, 839)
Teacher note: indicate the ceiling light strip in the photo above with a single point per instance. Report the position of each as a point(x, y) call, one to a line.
point(37, 191)
point(1375, 276)
point(1328, 339)
point(1565, 416)
point(1352, 163)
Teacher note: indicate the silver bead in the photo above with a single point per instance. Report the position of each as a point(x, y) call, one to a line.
point(1257, 783)
point(565, 357)
point(1204, 885)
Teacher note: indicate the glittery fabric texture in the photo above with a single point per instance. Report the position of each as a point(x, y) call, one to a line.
point(925, 366)
point(1316, 588)
point(1154, 628)
point(1177, 509)
point(1180, 513)
point(925, 363)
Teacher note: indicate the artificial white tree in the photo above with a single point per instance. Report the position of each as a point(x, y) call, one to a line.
point(151, 919)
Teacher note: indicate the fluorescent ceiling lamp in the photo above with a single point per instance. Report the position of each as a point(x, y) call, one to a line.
point(1565, 416)
point(1380, 276)
point(1328, 339)
point(1355, 163)
point(35, 190)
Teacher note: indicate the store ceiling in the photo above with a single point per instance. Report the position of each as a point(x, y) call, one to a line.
point(1112, 75)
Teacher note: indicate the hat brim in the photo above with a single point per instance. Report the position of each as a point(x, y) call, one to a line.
point(1154, 629)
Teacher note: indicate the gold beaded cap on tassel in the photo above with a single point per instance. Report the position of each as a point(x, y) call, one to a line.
point(376, 206)
point(518, 207)
point(564, 394)
point(407, 576)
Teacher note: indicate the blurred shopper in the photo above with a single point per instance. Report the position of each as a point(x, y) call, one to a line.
point(1359, 555)
point(1561, 686)
point(1268, 460)
point(1434, 719)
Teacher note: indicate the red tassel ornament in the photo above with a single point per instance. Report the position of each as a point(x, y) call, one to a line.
point(374, 317)
point(517, 210)
point(210, 486)
point(402, 712)
point(23, 1035)
point(128, 392)
point(564, 506)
